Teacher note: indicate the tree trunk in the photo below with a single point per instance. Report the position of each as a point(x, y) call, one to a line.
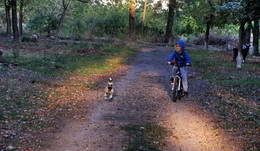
point(144, 16)
point(65, 8)
point(247, 34)
point(168, 34)
point(132, 20)
point(21, 17)
point(8, 18)
point(14, 21)
point(207, 36)
point(240, 44)
point(255, 38)
point(209, 22)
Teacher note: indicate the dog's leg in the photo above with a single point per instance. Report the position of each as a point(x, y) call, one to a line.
point(106, 97)
point(111, 97)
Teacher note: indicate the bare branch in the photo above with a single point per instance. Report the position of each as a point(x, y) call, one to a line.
point(84, 1)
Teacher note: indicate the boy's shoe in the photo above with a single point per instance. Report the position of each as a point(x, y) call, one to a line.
point(185, 94)
point(171, 80)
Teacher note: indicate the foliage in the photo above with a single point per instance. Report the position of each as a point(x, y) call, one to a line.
point(85, 21)
point(230, 11)
point(44, 20)
point(190, 18)
point(236, 11)
point(16, 53)
point(154, 25)
point(110, 18)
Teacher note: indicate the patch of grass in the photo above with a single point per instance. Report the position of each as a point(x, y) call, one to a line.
point(233, 82)
point(55, 63)
point(235, 95)
point(213, 67)
point(22, 111)
point(144, 137)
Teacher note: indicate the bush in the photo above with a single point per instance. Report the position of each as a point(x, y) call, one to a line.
point(214, 40)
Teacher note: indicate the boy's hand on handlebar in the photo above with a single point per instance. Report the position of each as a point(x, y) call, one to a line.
point(188, 64)
point(169, 63)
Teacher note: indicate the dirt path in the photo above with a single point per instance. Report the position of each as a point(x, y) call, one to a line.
point(141, 96)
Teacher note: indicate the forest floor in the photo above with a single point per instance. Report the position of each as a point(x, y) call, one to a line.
point(140, 117)
point(142, 97)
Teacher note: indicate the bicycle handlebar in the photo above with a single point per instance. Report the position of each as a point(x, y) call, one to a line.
point(175, 64)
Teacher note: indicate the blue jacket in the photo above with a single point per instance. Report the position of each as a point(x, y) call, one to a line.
point(182, 58)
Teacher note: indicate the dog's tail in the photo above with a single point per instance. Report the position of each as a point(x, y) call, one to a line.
point(110, 79)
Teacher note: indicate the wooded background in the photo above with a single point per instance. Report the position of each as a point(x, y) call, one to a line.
point(148, 20)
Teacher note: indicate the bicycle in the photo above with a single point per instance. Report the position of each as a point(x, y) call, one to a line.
point(177, 86)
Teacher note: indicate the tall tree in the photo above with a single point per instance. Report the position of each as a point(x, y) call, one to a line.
point(7, 4)
point(132, 8)
point(209, 22)
point(247, 33)
point(256, 37)
point(144, 16)
point(240, 43)
point(21, 17)
point(168, 34)
point(65, 6)
point(14, 21)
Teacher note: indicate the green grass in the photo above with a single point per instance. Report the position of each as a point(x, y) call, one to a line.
point(234, 93)
point(240, 82)
point(56, 63)
point(213, 67)
point(144, 137)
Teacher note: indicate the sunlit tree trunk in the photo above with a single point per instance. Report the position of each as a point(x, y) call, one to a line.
point(7, 4)
point(168, 34)
point(255, 38)
point(64, 11)
point(144, 16)
point(240, 44)
point(132, 20)
point(21, 17)
point(14, 21)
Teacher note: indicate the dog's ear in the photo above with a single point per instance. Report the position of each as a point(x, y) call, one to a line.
point(110, 79)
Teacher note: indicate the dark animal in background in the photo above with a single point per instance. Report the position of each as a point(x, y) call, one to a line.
point(30, 38)
point(245, 50)
point(235, 53)
point(1, 52)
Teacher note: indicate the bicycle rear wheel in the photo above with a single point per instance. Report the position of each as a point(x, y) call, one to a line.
point(175, 90)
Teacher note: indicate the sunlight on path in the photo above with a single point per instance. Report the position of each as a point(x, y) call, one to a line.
point(193, 130)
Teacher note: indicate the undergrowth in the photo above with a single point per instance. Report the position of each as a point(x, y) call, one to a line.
point(235, 96)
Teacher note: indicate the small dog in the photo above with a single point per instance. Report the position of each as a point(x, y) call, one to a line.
point(109, 90)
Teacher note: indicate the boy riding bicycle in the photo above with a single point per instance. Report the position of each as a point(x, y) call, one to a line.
point(180, 57)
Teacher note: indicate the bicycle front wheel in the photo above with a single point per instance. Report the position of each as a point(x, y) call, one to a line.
point(175, 90)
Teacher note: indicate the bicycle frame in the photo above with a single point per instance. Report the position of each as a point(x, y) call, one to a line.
point(178, 78)
point(177, 87)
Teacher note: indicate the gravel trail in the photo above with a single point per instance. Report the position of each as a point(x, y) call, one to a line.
point(142, 96)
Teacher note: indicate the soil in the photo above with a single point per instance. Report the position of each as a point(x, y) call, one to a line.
point(142, 95)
